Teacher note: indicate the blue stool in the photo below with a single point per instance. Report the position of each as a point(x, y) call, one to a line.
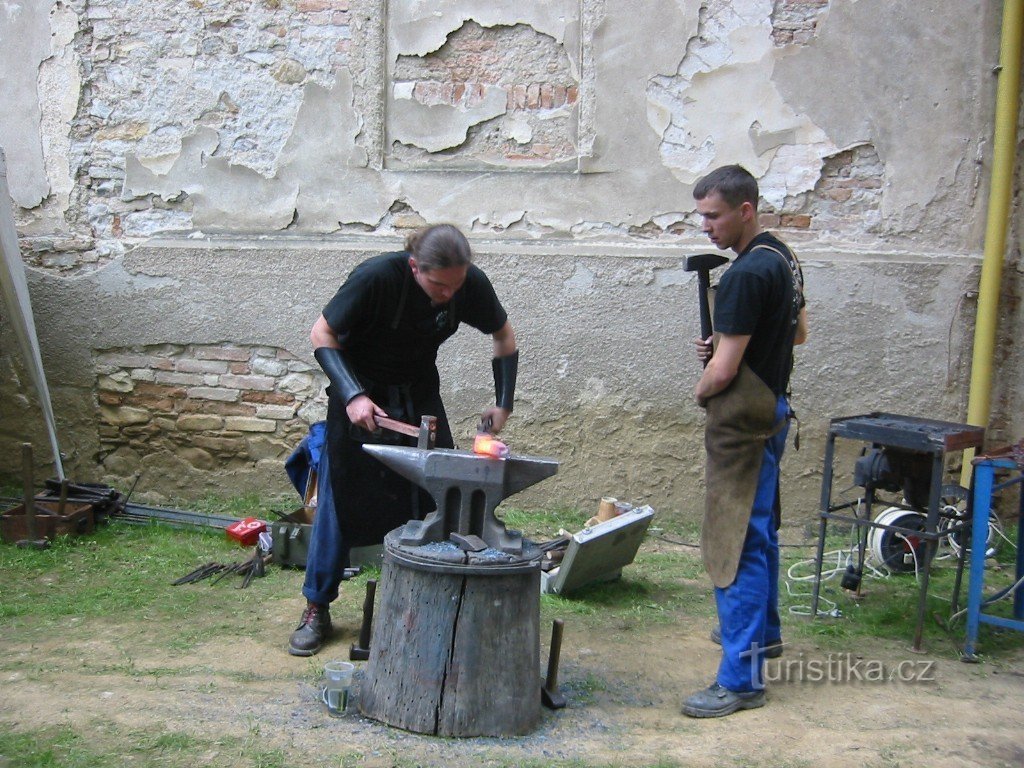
point(984, 487)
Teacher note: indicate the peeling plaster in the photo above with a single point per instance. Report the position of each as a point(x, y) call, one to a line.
point(923, 118)
point(419, 27)
point(323, 176)
point(25, 34)
point(723, 84)
point(436, 127)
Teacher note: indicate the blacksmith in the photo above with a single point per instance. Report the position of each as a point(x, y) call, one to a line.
point(759, 314)
point(377, 341)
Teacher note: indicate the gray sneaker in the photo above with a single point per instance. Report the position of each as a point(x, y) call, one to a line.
point(314, 627)
point(772, 649)
point(716, 701)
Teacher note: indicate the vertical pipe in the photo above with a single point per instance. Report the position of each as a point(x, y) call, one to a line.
point(1000, 198)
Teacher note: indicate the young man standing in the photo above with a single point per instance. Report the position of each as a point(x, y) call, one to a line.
point(759, 315)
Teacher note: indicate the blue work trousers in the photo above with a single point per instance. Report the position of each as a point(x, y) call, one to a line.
point(748, 609)
point(328, 554)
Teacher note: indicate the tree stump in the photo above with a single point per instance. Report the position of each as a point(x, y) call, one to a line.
point(455, 648)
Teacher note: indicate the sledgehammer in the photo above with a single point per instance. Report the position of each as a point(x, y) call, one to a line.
point(550, 696)
point(702, 264)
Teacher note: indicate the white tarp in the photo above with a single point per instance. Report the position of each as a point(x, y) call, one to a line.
point(19, 308)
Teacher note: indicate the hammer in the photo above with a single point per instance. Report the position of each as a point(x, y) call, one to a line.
point(360, 651)
point(550, 696)
point(426, 434)
point(702, 264)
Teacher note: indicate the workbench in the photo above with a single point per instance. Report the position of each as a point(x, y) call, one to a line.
point(984, 487)
point(929, 438)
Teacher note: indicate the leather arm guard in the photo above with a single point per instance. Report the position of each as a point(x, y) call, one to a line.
point(505, 369)
point(337, 370)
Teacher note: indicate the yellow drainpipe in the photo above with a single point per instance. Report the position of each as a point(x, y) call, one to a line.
point(1000, 197)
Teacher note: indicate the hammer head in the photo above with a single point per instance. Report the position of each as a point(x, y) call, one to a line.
point(704, 262)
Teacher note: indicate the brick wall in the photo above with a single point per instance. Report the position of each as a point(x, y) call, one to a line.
point(796, 21)
point(530, 68)
point(215, 407)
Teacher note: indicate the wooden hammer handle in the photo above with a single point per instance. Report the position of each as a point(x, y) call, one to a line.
point(397, 426)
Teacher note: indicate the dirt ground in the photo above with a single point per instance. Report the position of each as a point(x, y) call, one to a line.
point(624, 688)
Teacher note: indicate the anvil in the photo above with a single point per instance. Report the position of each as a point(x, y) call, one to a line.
point(466, 488)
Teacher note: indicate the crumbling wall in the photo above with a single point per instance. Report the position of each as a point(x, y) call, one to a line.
point(190, 175)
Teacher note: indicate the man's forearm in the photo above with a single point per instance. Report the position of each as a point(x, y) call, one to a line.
point(713, 380)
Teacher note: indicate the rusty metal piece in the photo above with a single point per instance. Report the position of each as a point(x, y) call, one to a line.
point(469, 543)
point(33, 541)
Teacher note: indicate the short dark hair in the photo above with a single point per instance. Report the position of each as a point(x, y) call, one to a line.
point(439, 247)
point(734, 183)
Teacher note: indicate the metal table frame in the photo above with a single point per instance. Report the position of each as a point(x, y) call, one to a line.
point(984, 487)
point(875, 428)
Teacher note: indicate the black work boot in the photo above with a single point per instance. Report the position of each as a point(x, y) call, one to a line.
point(314, 627)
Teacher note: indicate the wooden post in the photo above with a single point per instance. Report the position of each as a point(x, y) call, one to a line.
point(455, 654)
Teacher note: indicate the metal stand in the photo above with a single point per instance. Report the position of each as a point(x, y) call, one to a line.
point(886, 430)
point(984, 487)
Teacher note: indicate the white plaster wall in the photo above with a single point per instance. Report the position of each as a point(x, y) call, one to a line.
point(207, 172)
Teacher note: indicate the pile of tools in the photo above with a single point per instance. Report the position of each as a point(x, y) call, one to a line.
point(255, 566)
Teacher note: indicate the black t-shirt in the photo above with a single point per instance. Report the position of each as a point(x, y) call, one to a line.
point(760, 296)
point(387, 326)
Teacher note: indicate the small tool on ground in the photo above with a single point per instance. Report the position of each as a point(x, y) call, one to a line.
point(360, 650)
point(550, 696)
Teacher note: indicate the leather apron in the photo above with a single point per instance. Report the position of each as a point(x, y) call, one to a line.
point(739, 420)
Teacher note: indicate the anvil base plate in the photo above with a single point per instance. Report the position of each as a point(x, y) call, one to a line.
point(447, 557)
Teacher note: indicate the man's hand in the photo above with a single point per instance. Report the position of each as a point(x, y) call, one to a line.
point(361, 410)
point(498, 417)
point(704, 349)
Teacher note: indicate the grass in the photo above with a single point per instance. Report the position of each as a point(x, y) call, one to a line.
point(122, 573)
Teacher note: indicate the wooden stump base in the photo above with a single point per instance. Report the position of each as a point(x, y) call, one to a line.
point(455, 649)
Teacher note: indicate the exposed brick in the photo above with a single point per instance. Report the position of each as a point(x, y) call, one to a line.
point(151, 403)
point(222, 409)
point(260, 383)
point(796, 220)
point(186, 379)
point(109, 398)
point(518, 96)
point(220, 444)
point(199, 423)
point(243, 424)
point(533, 96)
point(572, 93)
point(187, 365)
point(274, 398)
point(124, 416)
point(239, 369)
point(214, 393)
point(546, 96)
point(313, 6)
point(222, 353)
point(158, 390)
point(275, 411)
point(769, 220)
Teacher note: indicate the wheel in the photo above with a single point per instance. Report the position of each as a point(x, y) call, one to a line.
point(899, 552)
point(953, 509)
